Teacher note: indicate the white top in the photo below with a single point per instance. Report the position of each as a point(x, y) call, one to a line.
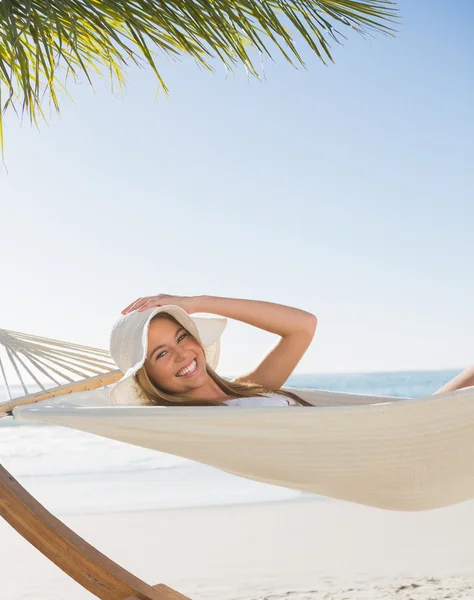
point(255, 401)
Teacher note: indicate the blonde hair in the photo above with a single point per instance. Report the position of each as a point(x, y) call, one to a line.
point(235, 389)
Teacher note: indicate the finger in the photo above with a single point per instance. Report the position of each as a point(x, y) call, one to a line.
point(160, 300)
point(150, 303)
point(127, 308)
point(130, 307)
point(134, 305)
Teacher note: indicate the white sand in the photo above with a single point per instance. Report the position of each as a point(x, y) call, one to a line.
point(299, 550)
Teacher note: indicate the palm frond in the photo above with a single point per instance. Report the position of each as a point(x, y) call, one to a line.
point(42, 42)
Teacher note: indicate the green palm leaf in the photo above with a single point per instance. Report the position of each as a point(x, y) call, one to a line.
point(42, 42)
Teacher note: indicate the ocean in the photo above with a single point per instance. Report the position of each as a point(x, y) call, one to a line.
point(72, 472)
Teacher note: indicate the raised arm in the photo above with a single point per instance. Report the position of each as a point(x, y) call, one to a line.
point(295, 327)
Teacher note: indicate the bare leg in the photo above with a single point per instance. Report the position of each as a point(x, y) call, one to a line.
point(464, 379)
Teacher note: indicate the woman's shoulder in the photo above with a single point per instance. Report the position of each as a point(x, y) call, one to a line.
point(273, 400)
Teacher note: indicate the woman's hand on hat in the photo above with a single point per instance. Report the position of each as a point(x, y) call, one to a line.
point(187, 303)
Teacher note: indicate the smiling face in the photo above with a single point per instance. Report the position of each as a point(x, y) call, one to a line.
point(175, 360)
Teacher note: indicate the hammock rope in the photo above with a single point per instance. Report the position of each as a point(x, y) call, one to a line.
point(33, 368)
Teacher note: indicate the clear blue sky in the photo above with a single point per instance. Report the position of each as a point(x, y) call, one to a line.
point(344, 190)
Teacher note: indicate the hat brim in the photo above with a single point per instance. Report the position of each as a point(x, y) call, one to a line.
point(132, 329)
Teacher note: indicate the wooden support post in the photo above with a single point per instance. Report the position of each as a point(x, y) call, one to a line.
point(81, 561)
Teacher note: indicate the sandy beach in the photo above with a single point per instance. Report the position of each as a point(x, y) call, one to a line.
point(295, 550)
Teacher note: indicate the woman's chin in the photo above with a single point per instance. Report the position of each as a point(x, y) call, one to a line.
point(192, 383)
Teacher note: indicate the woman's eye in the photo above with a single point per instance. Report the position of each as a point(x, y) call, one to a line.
point(160, 355)
point(182, 337)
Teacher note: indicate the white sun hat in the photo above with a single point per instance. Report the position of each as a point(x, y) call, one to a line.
point(129, 346)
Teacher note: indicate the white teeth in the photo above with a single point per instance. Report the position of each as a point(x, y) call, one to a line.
point(192, 367)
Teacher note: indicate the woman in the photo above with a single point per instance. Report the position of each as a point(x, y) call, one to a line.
point(169, 358)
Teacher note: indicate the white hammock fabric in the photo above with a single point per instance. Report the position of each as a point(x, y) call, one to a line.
point(390, 453)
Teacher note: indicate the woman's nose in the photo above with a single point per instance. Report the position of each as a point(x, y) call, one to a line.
point(179, 355)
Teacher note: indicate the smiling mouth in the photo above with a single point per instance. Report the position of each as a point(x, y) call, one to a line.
point(189, 370)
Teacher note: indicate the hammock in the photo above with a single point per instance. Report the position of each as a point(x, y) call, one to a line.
point(390, 453)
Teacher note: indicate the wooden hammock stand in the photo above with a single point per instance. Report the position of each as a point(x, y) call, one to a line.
point(59, 361)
